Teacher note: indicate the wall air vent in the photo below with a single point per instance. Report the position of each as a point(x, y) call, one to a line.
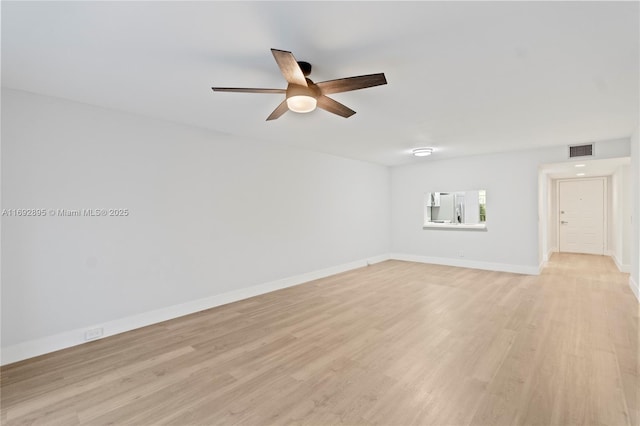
point(581, 150)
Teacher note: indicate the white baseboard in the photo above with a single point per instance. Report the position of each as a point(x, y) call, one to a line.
point(634, 288)
point(542, 265)
point(545, 259)
point(75, 337)
point(621, 267)
point(473, 264)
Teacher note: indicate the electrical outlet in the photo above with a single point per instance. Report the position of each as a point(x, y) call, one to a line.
point(460, 253)
point(92, 334)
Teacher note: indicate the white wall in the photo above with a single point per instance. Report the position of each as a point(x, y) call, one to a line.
point(634, 279)
point(552, 216)
point(543, 208)
point(213, 218)
point(626, 215)
point(511, 180)
point(614, 244)
point(620, 217)
point(209, 214)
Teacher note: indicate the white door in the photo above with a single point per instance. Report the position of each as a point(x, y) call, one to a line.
point(581, 216)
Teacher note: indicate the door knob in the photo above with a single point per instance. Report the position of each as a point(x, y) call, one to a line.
point(563, 222)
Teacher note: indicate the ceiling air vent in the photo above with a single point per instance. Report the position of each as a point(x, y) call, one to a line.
point(581, 150)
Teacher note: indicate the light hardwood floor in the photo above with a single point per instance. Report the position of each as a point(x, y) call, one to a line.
point(396, 343)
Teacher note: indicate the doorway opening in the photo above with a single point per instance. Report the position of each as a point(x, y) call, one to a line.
point(596, 201)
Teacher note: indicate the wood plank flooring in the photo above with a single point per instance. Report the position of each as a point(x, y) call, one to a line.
point(396, 343)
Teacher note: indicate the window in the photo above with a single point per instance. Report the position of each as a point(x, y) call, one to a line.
point(482, 200)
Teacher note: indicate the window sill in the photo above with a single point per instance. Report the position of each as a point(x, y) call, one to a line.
point(461, 226)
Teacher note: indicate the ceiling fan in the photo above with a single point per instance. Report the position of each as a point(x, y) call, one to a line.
point(302, 94)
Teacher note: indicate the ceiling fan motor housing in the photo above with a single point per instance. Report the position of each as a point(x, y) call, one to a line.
point(297, 90)
point(305, 67)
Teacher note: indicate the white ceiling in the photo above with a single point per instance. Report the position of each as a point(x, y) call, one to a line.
point(464, 77)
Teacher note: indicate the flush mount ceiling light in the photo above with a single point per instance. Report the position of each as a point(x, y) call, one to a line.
point(580, 174)
point(580, 165)
point(422, 152)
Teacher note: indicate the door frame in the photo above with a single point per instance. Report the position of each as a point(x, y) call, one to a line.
point(605, 205)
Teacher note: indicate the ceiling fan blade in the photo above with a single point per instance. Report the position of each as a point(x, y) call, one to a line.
point(351, 83)
point(281, 109)
point(328, 104)
point(289, 67)
point(247, 90)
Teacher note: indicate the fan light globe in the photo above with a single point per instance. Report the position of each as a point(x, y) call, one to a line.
point(301, 103)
